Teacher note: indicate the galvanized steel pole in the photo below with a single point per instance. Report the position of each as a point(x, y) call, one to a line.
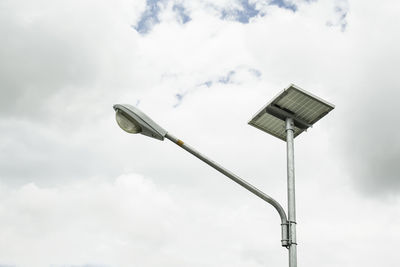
point(291, 193)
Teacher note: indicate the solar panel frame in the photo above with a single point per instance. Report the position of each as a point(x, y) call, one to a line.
point(304, 107)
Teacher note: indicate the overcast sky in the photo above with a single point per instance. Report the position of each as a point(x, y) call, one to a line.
point(75, 190)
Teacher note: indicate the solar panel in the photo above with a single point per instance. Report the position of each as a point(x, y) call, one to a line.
point(293, 102)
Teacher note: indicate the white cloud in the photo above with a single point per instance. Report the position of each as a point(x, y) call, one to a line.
point(87, 222)
point(130, 221)
point(134, 222)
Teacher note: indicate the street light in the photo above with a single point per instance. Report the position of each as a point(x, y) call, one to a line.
point(297, 116)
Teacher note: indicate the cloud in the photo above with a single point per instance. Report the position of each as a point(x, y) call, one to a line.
point(132, 220)
point(70, 192)
point(370, 147)
point(65, 48)
point(128, 221)
point(340, 18)
point(68, 75)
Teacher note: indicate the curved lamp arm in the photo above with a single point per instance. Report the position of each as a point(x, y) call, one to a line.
point(133, 120)
point(243, 183)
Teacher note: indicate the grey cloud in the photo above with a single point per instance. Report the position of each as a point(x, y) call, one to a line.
point(369, 127)
point(60, 56)
point(44, 71)
point(373, 144)
point(37, 60)
point(370, 115)
point(31, 153)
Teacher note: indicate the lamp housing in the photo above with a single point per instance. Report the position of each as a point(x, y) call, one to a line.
point(133, 120)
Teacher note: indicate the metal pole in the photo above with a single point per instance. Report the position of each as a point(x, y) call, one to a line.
point(243, 183)
point(291, 193)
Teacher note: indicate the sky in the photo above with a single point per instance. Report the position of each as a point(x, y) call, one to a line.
point(75, 190)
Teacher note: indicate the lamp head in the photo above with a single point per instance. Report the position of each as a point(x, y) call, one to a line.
point(132, 120)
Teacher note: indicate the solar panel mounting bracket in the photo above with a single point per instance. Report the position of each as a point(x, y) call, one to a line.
point(283, 114)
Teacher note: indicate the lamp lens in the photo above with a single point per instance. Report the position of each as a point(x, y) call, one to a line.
point(126, 124)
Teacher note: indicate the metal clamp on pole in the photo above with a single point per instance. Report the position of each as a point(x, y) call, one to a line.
point(292, 233)
point(285, 235)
